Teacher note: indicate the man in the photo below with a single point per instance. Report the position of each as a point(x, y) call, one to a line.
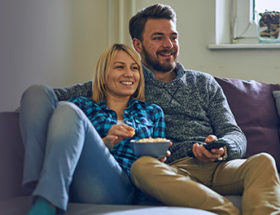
point(195, 109)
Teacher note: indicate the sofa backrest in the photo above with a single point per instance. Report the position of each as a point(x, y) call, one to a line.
point(11, 156)
point(254, 108)
point(251, 102)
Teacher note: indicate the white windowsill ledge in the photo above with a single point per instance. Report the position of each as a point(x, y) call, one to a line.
point(244, 46)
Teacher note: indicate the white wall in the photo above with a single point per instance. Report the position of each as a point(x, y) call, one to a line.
point(196, 26)
point(57, 42)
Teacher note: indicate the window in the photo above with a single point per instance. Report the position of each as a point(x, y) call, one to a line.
point(244, 19)
point(244, 27)
point(263, 5)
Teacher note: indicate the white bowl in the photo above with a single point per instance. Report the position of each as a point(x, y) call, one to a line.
point(154, 149)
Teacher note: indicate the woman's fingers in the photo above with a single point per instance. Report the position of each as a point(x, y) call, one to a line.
point(122, 131)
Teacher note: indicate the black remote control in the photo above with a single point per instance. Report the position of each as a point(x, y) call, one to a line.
point(212, 145)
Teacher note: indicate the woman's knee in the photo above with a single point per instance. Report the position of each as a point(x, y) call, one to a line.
point(66, 127)
point(67, 112)
point(36, 107)
point(38, 97)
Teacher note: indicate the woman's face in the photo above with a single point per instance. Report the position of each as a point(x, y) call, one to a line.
point(123, 76)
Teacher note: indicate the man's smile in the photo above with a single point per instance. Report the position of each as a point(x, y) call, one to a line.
point(166, 52)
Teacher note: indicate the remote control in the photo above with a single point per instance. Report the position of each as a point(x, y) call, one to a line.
point(212, 145)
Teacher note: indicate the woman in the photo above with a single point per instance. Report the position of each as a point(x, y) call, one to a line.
point(85, 143)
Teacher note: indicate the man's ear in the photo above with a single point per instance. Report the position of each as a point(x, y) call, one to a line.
point(137, 45)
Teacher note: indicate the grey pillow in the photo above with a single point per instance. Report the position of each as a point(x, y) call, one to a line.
point(276, 95)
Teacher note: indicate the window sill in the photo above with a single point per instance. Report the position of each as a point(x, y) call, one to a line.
point(244, 46)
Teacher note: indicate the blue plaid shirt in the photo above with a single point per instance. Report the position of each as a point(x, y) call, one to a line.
point(146, 119)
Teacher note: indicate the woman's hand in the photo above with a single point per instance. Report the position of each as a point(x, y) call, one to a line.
point(167, 154)
point(117, 133)
point(204, 155)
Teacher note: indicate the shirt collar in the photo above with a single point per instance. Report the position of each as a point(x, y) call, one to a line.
point(131, 103)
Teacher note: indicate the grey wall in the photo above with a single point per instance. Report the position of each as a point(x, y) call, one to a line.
point(54, 42)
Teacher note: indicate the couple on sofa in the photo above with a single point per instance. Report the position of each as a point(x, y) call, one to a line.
point(82, 151)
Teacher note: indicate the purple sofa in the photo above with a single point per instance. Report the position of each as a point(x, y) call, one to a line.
point(255, 105)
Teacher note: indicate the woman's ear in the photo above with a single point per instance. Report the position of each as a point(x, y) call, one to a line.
point(137, 45)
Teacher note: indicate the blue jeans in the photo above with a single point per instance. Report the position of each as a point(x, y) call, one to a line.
point(65, 154)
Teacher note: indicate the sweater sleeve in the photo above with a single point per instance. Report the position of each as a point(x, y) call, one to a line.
point(85, 89)
point(224, 123)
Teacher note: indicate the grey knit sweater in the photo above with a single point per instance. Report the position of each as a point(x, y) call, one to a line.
point(194, 106)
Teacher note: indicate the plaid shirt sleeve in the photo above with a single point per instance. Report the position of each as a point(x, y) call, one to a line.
point(159, 123)
point(99, 115)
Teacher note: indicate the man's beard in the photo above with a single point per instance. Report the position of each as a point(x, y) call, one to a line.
point(156, 65)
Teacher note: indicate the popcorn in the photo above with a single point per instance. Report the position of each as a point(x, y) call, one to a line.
point(151, 140)
point(132, 133)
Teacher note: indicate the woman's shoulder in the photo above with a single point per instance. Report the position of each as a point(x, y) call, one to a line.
point(82, 101)
point(142, 105)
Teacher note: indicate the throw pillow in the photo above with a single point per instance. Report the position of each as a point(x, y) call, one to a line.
point(254, 109)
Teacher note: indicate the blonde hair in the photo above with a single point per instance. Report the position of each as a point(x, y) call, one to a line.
point(102, 67)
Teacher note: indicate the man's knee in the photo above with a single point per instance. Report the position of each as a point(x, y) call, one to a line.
point(263, 161)
point(263, 158)
point(142, 166)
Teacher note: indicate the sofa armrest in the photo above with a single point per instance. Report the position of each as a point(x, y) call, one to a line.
point(11, 156)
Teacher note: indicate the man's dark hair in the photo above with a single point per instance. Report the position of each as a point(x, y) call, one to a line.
point(157, 11)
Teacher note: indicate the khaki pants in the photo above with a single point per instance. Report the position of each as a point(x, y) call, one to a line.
point(190, 183)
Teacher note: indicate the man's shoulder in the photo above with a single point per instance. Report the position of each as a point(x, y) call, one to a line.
point(191, 73)
point(199, 74)
point(65, 93)
point(197, 77)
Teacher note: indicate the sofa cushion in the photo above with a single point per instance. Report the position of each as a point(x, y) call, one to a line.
point(255, 111)
point(11, 153)
point(21, 205)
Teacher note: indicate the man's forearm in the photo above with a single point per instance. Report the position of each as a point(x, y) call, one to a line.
point(66, 93)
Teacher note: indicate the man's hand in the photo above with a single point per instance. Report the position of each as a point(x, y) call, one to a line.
point(167, 154)
point(204, 155)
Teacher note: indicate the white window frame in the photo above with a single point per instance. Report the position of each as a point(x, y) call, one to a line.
point(235, 27)
point(244, 28)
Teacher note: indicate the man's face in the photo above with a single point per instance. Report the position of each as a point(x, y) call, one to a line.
point(159, 46)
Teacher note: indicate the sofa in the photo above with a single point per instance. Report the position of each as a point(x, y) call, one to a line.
point(255, 105)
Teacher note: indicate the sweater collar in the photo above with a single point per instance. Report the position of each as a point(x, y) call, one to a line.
point(179, 71)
